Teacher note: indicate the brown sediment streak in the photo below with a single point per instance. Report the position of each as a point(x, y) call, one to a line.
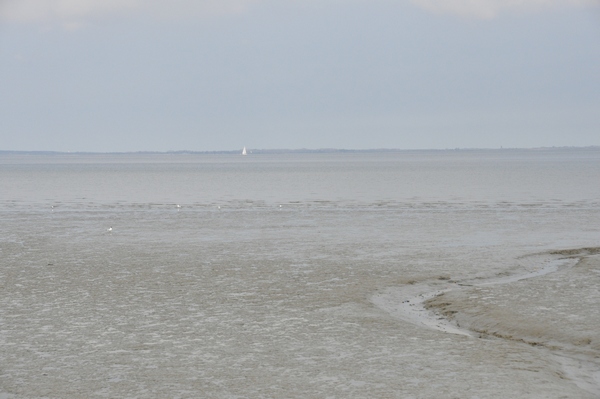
point(578, 253)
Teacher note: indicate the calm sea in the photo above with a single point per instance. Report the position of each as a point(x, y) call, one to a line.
point(251, 276)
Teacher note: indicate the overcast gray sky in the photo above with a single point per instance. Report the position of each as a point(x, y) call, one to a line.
point(134, 75)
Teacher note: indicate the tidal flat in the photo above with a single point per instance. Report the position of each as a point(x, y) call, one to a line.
point(263, 277)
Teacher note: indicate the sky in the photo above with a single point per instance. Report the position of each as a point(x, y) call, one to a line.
point(209, 75)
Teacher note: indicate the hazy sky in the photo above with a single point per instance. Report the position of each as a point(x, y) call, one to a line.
point(150, 75)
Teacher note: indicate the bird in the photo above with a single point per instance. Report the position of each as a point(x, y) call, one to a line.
point(109, 229)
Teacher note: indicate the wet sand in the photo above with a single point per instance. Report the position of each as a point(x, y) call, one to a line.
point(184, 330)
point(263, 304)
point(528, 308)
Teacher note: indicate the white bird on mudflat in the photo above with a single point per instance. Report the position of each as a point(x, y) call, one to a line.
point(109, 229)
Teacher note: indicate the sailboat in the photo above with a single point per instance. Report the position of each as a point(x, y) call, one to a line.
point(244, 151)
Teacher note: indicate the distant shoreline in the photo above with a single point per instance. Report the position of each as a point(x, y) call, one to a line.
point(291, 151)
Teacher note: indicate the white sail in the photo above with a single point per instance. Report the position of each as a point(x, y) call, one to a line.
point(244, 151)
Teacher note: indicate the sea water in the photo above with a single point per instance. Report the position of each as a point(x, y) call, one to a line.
point(257, 276)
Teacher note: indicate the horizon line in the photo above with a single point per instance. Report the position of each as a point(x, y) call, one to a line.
point(290, 150)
